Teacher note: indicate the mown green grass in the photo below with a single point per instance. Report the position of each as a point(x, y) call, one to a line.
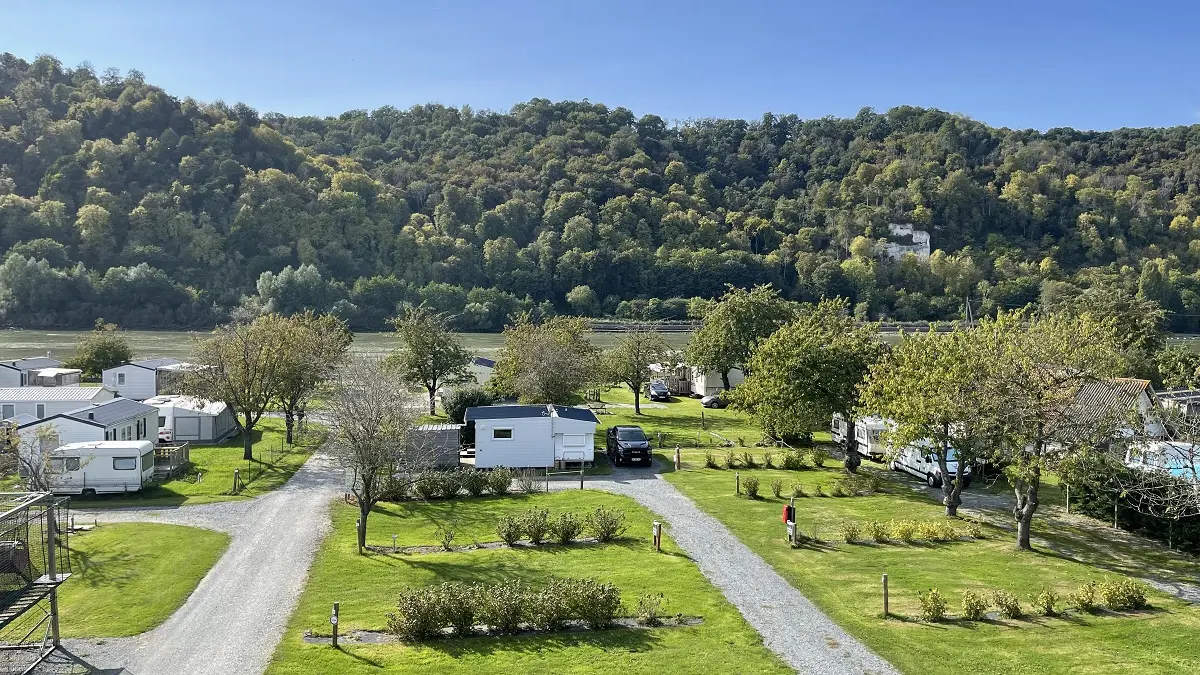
point(129, 577)
point(367, 586)
point(844, 580)
point(273, 464)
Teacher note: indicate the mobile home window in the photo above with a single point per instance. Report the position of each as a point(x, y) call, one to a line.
point(502, 434)
point(41, 410)
point(56, 466)
point(120, 379)
point(573, 439)
point(72, 463)
point(125, 463)
point(7, 411)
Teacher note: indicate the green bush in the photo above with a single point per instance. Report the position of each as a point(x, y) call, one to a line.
point(730, 460)
point(817, 456)
point(710, 460)
point(974, 607)
point(750, 485)
point(475, 482)
point(974, 529)
point(792, 461)
point(550, 607)
point(605, 524)
point(509, 529)
point(946, 531)
point(427, 485)
point(768, 460)
point(902, 530)
point(876, 531)
point(748, 460)
point(777, 487)
point(456, 402)
point(649, 609)
point(798, 490)
point(819, 491)
point(566, 528)
point(448, 484)
point(927, 532)
point(1123, 594)
point(535, 523)
point(858, 484)
point(1045, 601)
point(527, 481)
point(457, 603)
point(850, 531)
point(1085, 599)
point(499, 481)
point(505, 605)
point(1008, 604)
point(418, 615)
point(838, 491)
point(596, 604)
point(933, 605)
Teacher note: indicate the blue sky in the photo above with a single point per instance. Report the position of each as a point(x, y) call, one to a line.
point(1020, 63)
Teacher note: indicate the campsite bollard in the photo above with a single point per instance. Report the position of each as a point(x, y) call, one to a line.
point(656, 530)
point(333, 621)
point(678, 459)
point(394, 543)
point(885, 595)
point(737, 483)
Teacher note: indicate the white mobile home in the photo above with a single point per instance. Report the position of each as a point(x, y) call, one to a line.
point(144, 379)
point(540, 436)
point(21, 372)
point(98, 467)
point(685, 380)
point(41, 402)
point(185, 418)
point(120, 419)
point(705, 383)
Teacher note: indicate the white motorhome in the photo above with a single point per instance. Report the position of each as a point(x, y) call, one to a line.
point(99, 467)
point(868, 437)
point(918, 460)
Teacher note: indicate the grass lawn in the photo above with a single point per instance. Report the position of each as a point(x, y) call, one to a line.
point(273, 464)
point(129, 577)
point(366, 587)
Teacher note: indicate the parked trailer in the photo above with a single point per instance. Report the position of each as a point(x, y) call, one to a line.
point(99, 467)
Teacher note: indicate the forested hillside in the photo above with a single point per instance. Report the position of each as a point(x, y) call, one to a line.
point(120, 200)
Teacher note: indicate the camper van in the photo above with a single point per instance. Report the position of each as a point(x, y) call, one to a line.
point(868, 432)
point(98, 467)
point(919, 461)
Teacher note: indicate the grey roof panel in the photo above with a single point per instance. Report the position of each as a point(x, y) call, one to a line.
point(503, 412)
point(112, 412)
point(154, 364)
point(581, 414)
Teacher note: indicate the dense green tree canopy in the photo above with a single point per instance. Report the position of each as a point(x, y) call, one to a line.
point(119, 199)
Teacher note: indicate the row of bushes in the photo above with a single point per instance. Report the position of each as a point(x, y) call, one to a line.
point(907, 531)
point(505, 607)
point(849, 485)
point(791, 460)
point(453, 483)
point(536, 525)
point(1116, 594)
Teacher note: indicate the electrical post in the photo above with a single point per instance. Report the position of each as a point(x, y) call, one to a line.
point(885, 595)
point(333, 621)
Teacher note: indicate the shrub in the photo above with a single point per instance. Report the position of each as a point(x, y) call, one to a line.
point(858, 484)
point(902, 530)
point(456, 402)
point(974, 529)
point(566, 528)
point(1123, 594)
point(596, 604)
point(550, 607)
point(877, 532)
point(448, 483)
point(817, 456)
point(509, 529)
point(850, 531)
point(768, 460)
point(446, 531)
point(1045, 601)
point(945, 531)
point(499, 481)
point(1008, 604)
point(750, 485)
point(606, 524)
point(649, 609)
point(798, 490)
point(710, 460)
point(933, 605)
point(748, 460)
point(1085, 597)
point(535, 523)
point(458, 604)
point(974, 607)
point(793, 461)
point(819, 491)
point(730, 460)
point(927, 531)
point(475, 482)
point(777, 487)
point(505, 605)
point(526, 481)
point(417, 616)
point(427, 485)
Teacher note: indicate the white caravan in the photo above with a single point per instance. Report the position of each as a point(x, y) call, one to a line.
point(98, 467)
point(919, 461)
point(868, 432)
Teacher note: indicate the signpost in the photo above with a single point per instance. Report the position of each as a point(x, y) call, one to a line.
point(656, 531)
point(333, 621)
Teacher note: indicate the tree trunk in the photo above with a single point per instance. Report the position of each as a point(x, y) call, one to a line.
point(951, 488)
point(637, 401)
point(432, 401)
point(1027, 503)
point(725, 379)
point(289, 421)
point(852, 461)
point(364, 510)
point(247, 439)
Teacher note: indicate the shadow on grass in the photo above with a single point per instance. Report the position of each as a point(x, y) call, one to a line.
point(614, 639)
point(93, 569)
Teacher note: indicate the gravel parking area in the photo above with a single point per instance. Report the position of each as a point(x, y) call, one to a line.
point(790, 625)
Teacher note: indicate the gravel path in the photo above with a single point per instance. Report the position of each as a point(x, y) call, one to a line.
point(790, 625)
point(235, 618)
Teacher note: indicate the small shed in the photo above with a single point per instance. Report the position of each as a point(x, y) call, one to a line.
point(186, 418)
point(56, 377)
point(439, 442)
point(539, 436)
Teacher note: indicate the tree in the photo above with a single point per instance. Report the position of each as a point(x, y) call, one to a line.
point(628, 362)
point(313, 348)
point(241, 364)
point(1178, 367)
point(733, 327)
point(105, 347)
point(430, 355)
point(548, 362)
point(371, 418)
point(808, 370)
point(1137, 321)
point(1050, 376)
point(460, 399)
point(929, 387)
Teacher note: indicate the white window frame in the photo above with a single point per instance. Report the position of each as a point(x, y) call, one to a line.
point(574, 440)
point(8, 410)
point(120, 379)
point(131, 459)
point(501, 438)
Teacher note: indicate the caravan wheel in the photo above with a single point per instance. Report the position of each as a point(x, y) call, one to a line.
point(88, 492)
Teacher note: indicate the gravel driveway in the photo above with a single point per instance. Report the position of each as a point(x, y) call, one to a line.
point(235, 618)
point(790, 625)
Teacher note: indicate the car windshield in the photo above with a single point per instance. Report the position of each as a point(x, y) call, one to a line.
point(658, 386)
point(630, 435)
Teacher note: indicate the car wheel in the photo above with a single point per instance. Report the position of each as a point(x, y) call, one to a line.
point(932, 480)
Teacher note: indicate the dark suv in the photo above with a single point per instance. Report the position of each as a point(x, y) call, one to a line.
point(627, 444)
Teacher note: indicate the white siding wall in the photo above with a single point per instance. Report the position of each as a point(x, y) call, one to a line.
point(10, 377)
point(140, 383)
point(531, 445)
point(55, 407)
point(704, 384)
point(68, 430)
point(573, 437)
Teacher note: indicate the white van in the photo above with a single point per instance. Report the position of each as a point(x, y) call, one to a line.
point(919, 461)
point(868, 437)
point(99, 467)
